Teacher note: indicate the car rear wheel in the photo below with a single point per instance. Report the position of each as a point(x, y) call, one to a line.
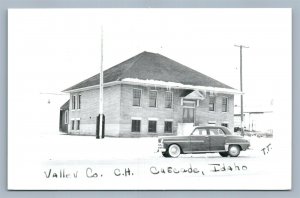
point(224, 154)
point(174, 150)
point(234, 150)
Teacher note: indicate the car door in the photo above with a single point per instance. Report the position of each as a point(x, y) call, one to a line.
point(216, 139)
point(199, 140)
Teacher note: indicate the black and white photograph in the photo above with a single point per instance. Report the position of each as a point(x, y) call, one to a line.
point(150, 99)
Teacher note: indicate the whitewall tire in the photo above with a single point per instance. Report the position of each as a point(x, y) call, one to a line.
point(234, 150)
point(174, 150)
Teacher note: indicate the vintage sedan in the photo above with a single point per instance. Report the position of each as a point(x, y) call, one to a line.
point(204, 139)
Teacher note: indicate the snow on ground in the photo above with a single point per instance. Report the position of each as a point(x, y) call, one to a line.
point(34, 155)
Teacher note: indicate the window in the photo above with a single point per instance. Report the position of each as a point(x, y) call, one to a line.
point(224, 104)
point(79, 102)
point(152, 98)
point(168, 126)
point(189, 103)
point(78, 125)
point(73, 125)
point(211, 104)
point(66, 117)
point(168, 99)
point(216, 132)
point(224, 124)
point(200, 132)
point(137, 97)
point(73, 102)
point(152, 126)
point(136, 126)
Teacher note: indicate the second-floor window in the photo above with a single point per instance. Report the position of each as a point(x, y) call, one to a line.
point(224, 104)
point(211, 103)
point(168, 99)
point(73, 102)
point(153, 99)
point(137, 97)
point(79, 102)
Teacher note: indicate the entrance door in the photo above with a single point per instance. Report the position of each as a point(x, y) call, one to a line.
point(189, 111)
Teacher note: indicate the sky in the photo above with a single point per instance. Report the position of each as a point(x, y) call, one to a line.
point(53, 49)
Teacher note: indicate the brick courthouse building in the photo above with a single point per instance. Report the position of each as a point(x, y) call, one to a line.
point(149, 95)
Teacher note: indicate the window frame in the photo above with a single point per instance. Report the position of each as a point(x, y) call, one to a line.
point(79, 101)
point(219, 129)
point(168, 121)
point(227, 103)
point(171, 99)
point(140, 98)
point(66, 116)
point(73, 104)
point(155, 98)
point(225, 123)
point(155, 127)
point(213, 104)
point(72, 124)
point(77, 125)
point(140, 123)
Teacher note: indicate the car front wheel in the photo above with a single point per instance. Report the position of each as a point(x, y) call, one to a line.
point(234, 150)
point(174, 150)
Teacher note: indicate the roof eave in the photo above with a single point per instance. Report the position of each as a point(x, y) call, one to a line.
point(187, 87)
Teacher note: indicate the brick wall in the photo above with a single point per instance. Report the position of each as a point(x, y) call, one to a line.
point(90, 109)
point(144, 112)
point(119, 111)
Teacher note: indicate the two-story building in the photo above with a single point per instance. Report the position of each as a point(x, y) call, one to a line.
point(148, 95)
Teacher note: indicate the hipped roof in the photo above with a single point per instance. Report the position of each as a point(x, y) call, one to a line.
point(152, 66)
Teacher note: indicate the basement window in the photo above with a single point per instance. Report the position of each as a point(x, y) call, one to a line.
point(77, 124)
point(168, 126)
point(73, 125)
point(136, 126)
point(152, 126)
point(224, 124)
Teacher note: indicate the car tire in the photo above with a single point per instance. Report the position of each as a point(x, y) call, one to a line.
point(165, 154)
point(224, 154)
point(174, 150)
point(234, 150)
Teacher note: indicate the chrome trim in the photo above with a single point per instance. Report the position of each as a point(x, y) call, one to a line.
point(206, 151)
point(197, 141)
point(162, 150)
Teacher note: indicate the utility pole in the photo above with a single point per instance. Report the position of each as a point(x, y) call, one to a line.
point(241, 86)
point(101, 119)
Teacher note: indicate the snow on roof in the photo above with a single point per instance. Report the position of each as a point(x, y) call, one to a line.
point(181, 86)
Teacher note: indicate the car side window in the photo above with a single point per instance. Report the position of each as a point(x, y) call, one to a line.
point(216, 132)
point(200, 132)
